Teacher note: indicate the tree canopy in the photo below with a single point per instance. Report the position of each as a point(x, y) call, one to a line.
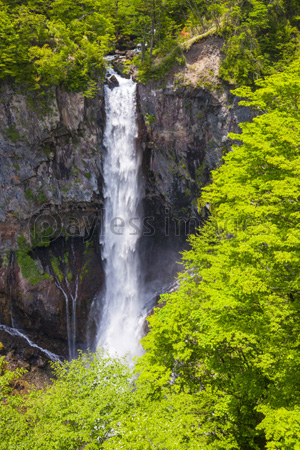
point(62, 42)
point(231, 332)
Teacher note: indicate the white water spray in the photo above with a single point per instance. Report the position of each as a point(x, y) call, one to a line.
point(121, 322)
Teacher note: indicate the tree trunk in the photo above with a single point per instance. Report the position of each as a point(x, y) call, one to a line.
point(152, 28)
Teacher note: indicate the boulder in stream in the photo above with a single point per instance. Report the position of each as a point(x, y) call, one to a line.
point(112, 82)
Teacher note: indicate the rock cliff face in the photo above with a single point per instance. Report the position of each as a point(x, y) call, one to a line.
point(186, 132)
point(184, 139)
point(51, 190)
point(187, 122)
point(51, 148)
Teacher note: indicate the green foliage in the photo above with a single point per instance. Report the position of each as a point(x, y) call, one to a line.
point(41, 197)
point(232, 329)
point(56, 265)
point(171, 421)
point(64, 43)
point(93, 403)
point(10, 404)
point(77, 410)
point(260, 35)
point(28, 265)
point(60, 44)
point(7, 378)
point(149, 119)
point(12, 134)
point(158, 70)
point(38, 197)
point(29, 194)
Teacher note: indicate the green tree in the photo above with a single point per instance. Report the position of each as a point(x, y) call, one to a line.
point(77, 410)
point(259, 34)
point(61, 44)
point(232, 329)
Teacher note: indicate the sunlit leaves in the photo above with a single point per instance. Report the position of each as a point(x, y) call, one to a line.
point(234, 324)
point(61, 44)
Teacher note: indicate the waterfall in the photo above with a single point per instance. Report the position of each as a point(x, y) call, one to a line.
point(121, 321)
point(10, 284)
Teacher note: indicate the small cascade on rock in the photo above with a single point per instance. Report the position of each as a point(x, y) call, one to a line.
point(71, 301)
point(121, 322)
point(18, 333)
point(62, 290)
point(10, 285)
point(62, 267)
point(74, 297)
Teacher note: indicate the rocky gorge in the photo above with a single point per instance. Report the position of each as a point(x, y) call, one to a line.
point(51, 201)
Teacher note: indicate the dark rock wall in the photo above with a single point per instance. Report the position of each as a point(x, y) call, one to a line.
point(50, 190)
point(184, 136)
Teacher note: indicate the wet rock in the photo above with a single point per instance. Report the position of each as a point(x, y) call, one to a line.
point(112, 82)
point(41, 362)
point(11, 356)
point(24, 365)
point(5, 312)
point(185, 135)
point(50, 168)
point(46, 152)
point(120, 52)
point(120, 68)
point(29, 352)
point(130, 54)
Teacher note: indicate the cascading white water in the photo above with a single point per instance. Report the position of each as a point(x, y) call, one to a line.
point(121, 322)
